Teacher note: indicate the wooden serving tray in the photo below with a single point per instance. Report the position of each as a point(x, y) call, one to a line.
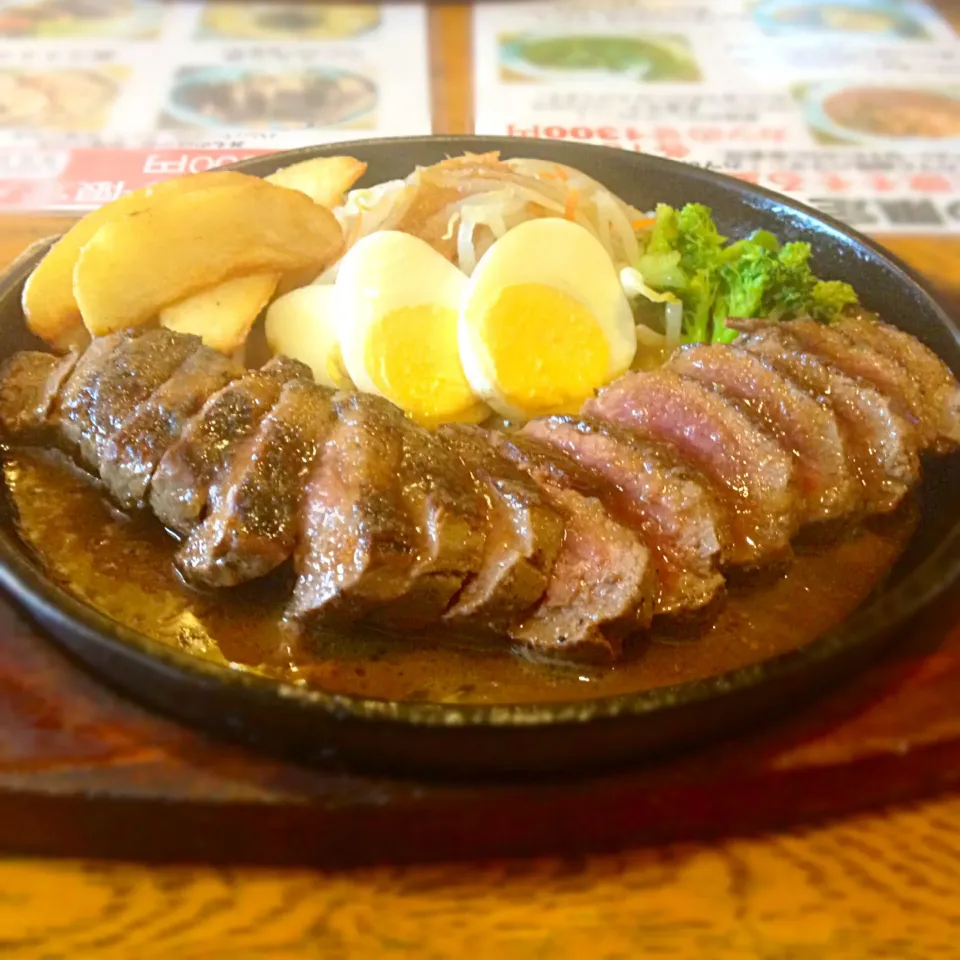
point(84, 772)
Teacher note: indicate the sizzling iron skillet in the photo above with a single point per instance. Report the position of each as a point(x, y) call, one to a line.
point(556, 737)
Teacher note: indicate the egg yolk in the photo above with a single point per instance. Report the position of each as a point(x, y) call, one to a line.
point(413, 357)
point(547, 350)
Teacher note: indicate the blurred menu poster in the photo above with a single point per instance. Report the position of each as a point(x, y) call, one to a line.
point(98, 97)
point(850, 105)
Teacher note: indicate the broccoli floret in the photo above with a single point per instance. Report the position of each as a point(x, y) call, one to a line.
point(753, 277)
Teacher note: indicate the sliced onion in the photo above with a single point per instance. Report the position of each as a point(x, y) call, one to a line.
point(634, 285)
point(622, 227)
point(364, 211)
point(466, 255)
point(608, 206)
point(647, 337)
point(673, 323)
point(483, 190)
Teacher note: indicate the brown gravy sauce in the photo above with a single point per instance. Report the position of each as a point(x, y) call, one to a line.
point(123, 566)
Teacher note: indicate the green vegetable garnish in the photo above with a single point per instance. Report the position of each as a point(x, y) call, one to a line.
point(753, 277)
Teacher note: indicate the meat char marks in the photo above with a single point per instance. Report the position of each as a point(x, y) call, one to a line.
point(603, 585)
point(73, 411)
point(523, 535)
point(566, 537)
point(393, 526)
point(804, 428)
point(647, 486)
point(917, 384)
point(251, 524)
point(358, 543)
point(751, 474)
point(30, 385)
point(132, 453)
point(881, 445)
point(938, 388)
point(200, 456)
point(122, 379)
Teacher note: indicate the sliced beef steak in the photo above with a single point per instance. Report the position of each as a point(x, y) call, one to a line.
point(881, 444)
point(752, 474)
point(450, 514)
point(862, 362)
point(134, 370)
point(603, 585)
point(523, 537)
point(30, 384)
point(647, 486)
point(77, 392)
point(252, 528)
point(939, 387)
point(358, 543)
point(394, 524)
point(181, 483)
point(131, 455)
point(804, 427)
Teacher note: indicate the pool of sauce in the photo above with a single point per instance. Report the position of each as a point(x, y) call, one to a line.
point(123, 566)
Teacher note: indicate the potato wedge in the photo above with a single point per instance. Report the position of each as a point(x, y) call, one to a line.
point(325, 180)
point(302, 325)
point(49, 306)
point(297, 279)
point(223, 315)
point(135, 266)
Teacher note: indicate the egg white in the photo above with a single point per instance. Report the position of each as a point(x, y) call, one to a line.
point(560, 255)
point(386, 272)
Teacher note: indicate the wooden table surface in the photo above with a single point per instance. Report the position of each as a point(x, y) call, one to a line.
point(881, 884)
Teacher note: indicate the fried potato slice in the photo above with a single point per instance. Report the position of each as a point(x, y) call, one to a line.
point(302, 325)
point(223, 315)
point(134, 267)
point(49, 306)
point(325, 180)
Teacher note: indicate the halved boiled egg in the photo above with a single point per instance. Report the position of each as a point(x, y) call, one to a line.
point(398, 301)
point(545, 321)
point(303, 324)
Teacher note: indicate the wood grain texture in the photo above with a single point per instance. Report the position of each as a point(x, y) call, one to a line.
point(877, 886)
point(880, 884)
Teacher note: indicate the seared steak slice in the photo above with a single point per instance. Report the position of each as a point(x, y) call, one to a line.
point(252, 527)
point(522, 540)
point(603, 585)
point(450, 514)
point(76, 393)
point(394, 524)
point(131, 455)
point(647, 487)
point(30, 384)
point(358, 543)
point(181, 482)
point(751, 472)
point(601, 590)
point(881, 445)
point(134, 370)
point(862, 362)
point(939, 387)
point(803, 427)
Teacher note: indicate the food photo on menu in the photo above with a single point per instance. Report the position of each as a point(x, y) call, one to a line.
point(441, 432)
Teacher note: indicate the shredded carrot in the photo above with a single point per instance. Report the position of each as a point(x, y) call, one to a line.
point(643, 223)
point(560, 173)
point(570, 208)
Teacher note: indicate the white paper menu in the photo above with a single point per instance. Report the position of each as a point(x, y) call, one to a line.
point(852, 106)
point(100, 98)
